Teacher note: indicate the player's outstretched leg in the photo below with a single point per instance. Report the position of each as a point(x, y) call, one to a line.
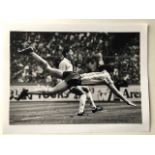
point(117, 92)
point(61, 87)
point(30, 51)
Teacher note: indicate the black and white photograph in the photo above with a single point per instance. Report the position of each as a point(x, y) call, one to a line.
point(80, 77)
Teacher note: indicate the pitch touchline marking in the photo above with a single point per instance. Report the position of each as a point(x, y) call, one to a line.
point(31, 118)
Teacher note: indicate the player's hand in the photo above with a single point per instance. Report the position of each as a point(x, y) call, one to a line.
point(66, 93)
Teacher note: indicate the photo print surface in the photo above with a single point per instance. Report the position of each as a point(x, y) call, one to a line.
point(100, 81)
point(76, 78)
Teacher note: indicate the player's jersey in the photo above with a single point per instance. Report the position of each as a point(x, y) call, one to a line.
point(65, 65)
point(68, 74)
point(96, 78)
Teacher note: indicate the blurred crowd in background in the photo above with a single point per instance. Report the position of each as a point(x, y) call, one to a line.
point(119, 52)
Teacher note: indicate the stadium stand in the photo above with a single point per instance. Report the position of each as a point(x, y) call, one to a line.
point(119, 52)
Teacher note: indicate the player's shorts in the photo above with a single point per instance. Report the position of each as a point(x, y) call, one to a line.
point(79, 90)
point(76, 91)
point(72, 78)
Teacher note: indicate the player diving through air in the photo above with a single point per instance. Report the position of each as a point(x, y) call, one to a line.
point(70, 78)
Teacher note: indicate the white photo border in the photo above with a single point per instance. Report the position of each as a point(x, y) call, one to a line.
point(142, 28)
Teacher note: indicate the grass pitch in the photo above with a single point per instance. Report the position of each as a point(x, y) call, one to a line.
point(23, 113)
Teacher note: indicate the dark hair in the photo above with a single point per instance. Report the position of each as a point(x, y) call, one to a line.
point(65, 51)
point(101, 68)
point(105, 67)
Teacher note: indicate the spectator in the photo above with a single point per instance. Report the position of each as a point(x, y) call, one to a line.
point(87, 56)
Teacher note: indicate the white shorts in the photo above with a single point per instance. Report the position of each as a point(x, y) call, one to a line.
point(96, 78)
